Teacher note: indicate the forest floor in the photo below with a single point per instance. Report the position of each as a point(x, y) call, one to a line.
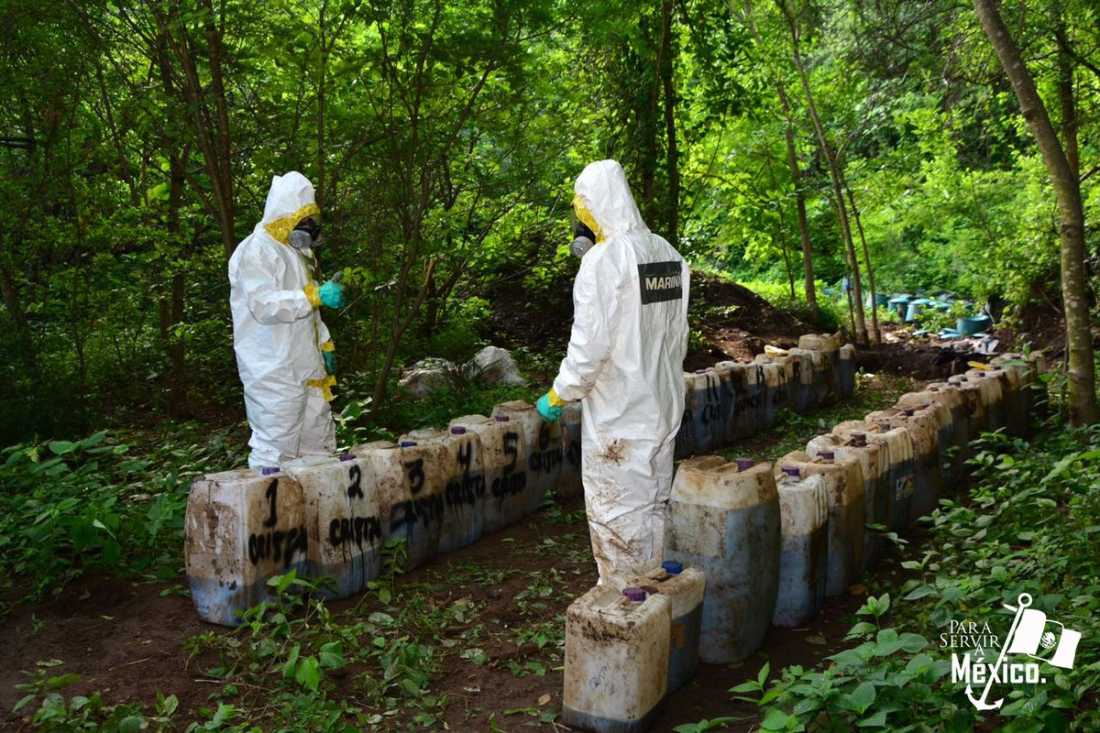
point(501, 606)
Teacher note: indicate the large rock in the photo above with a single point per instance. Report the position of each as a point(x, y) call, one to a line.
point(427, 375)
point(496, 365)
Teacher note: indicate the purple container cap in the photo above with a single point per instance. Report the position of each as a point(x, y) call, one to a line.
point(744, 464)
point(672, 567)
point(345, 456)
point(908, 412)
point(790, 470)
point(858, 440)
point(637, 595)
point(269, 470)
point(502, 418)
point(408, 443)
point(701, 371)
point(828, 455)
point(458, 430)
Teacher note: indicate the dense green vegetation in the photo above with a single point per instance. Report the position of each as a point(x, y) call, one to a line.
point(443, 138)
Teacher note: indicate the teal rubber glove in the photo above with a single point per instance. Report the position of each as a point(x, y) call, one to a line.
point(332, 294)
point(549, 412)
point(330, 361)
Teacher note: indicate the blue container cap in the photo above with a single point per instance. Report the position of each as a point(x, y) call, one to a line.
point(637, 595)
point(269, 470)
point(408, 443)
point(458, 430)
point(345, 456)
point(790, 470)
point(672, 567)
point(502, 418)
point(744, 464)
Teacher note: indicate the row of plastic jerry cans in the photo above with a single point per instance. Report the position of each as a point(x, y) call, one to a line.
point(795, 534)
point(733, 400)
point(766, 545)
point(330, 518)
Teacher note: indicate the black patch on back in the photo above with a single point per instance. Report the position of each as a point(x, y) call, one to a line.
point(661, 281)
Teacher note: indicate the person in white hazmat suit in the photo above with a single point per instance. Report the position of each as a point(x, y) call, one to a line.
point(625, 363)
point(284, 353)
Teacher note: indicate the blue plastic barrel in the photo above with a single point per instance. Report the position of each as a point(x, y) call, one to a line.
point(973, 324)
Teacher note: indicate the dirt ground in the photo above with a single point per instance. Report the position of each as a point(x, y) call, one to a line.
point(126, 640)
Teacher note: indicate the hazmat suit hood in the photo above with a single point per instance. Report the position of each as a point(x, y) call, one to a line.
point(289, 200)
point(604, 203)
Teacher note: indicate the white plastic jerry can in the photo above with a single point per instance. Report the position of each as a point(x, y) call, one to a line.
point(844, 490)
point(569, 482)
point(704, 407)
point(544, 450)
point(412, 486)
point(503, 490)
point(465, 494)
point(685, 436)
point(616, 659)
point(684, 588)
point(787, 384)
point(874, 464)
point(773, 392)
point(846, 368)
point(954, 401)
point(343, 520)
point(924, 429)
point(807, 392)
point(899, 445)
point(242, 528)
point(994, 385)
point(724, 519)
point(825, 351)
point(804, 556)
point(937, 406)
point(1023, 377)
point(975, 397)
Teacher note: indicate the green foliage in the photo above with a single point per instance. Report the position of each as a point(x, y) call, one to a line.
point(101, 504)
point(1029, 526)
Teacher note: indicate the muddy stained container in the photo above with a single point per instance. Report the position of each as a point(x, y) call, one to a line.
point(995, 391)
point(825, 350)
point(1025, 379)
point(343, 520)
point(544, 450)
point(569, 482)
point(923, 429)
point(685, 434)
point(953, 400)
point(783, 397)
point(846, 370)
point(684, 588)
point(616, 659)
point(939, 406)
point(466, 490)
point(843, 479)
point(499, 496)
point(724, 519)
point(874, 466)
point(975, 397)
point(899, 445)
point(703, 404)
point(727, 399)
point(412, 477)
point(734, 392)
point(774, 387)
point(241, 529)
point(806, 388)
point(804, 554)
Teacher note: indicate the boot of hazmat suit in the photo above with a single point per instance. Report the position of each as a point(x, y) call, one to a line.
point(278, 334)
point(625, 362)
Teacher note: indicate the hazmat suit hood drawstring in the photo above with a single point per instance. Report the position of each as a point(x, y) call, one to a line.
point(289, 200)
point(603, 191)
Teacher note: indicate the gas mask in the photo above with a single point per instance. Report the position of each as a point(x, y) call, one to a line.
point(583, 239)
point(306, 235)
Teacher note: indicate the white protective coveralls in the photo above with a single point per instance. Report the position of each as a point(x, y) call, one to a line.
point(625, 362)
point(278, 334)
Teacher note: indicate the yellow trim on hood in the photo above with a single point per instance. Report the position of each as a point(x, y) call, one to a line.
point(586, 218)
point(280, 228)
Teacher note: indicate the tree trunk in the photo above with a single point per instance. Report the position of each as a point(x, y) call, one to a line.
point(834, 174)
point(876, 334)
point(1082, 377)
point(666, 68)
